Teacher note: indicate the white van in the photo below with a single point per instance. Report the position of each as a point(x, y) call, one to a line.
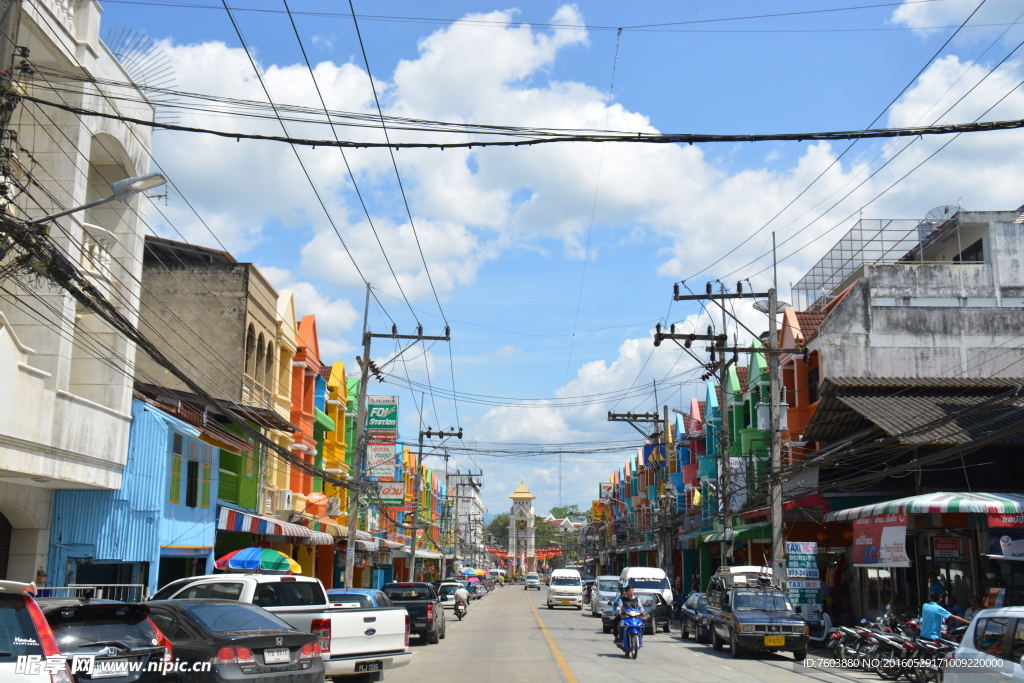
point(647, 580)
point(566, 589)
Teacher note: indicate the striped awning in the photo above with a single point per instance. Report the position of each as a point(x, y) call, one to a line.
point(935, 502)
point(236, 520)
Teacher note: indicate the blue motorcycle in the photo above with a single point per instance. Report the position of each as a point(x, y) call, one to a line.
point(631, 633)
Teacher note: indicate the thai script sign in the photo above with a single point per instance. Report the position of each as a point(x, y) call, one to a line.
point(391, 493)
point(1006, 535)
point(380, 460)
point(880, 541)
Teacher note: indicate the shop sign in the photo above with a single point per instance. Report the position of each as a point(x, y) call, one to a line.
point(383, 558)
point(380, 460)
point(382, 415)
point(607, 491)
point(802, 585)
point(945, 549)
point(391, 493)
point(1006, 535)
point(880, 541)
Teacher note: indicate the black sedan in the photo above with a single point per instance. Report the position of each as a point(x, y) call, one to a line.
point(106, 638)
point(657, 614)
point(231, 641)
point(693, 618)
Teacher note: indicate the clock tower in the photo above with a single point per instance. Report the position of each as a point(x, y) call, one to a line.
point(521, 530)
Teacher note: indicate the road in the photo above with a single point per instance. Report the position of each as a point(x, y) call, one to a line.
point(510, 636)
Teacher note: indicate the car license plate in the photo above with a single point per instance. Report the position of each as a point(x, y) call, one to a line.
point(565, 602)
point(110, 670)
point(278, 655)
point(376, 665)
point(774, 641)
point(420, 624)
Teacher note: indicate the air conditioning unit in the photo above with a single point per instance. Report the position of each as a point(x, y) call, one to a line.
point(284, 499)
point(333, 507)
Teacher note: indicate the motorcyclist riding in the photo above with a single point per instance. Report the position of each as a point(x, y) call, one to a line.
point(462, 595)
point(625, 602)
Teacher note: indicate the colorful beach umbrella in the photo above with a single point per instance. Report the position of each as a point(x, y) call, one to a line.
point(468, 571)
point(259, 561)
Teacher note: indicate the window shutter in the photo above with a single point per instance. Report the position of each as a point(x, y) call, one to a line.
point(204, 499)
point(179, 445)
point(193, 449)
point(175, 496)
point(207, 453)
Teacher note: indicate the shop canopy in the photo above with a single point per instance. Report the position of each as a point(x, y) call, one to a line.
point(936, 502)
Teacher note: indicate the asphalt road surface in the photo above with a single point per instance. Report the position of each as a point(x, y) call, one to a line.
point(510, 637)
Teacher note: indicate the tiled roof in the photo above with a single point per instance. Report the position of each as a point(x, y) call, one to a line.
point(809, 322)
point(741, 373)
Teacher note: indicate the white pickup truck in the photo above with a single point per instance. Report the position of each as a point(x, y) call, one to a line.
point(362, 642)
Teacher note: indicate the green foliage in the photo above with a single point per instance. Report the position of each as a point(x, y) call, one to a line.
point(498, 530)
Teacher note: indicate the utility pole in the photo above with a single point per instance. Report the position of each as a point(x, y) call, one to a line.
point(775, 486)
point(366, 365)
point(430, 433)
point(726, 494)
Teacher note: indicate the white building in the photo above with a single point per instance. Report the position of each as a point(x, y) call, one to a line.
point(66, 376)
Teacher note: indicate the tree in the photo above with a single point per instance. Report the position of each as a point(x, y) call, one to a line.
point(498, 529)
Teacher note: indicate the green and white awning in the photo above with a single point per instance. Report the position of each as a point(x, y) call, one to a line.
point(935, 502)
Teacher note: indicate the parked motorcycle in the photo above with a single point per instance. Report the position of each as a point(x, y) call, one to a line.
point(631, 633)
point(460, 609)
point(932, 654)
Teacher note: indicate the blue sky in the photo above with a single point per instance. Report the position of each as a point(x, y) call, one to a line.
point(507, 234)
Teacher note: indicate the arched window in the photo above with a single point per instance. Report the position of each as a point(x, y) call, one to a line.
point(250, 349)
point(268, 370)
point(258, 372)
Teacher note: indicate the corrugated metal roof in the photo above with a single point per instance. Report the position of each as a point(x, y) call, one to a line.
point(920, 414)
point(966, 382)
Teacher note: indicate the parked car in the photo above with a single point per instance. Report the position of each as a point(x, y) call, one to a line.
point(26, 634)
point(347, 646)
point(426, 611)
point(239, 641)
point(605, 590)
point(992, 648)
point(357, 597)
point(647, 580)
point(113, 633)
point(657, 614)
point(532, 581)
point(693, 618)
point(477, 590)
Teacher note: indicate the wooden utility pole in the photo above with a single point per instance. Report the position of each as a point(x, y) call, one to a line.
point(430, 433)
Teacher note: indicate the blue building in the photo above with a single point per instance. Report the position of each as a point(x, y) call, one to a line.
point(161, 524)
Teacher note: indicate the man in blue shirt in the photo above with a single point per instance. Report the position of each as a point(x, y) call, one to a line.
point(932, 616)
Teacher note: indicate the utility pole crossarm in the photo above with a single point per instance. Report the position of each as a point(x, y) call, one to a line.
point(704, 297)
point(753, 349)
point(407, 336)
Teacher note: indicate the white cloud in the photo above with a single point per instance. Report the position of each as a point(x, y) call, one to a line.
point(334, 317)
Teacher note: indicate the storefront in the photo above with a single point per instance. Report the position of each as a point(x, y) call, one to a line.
point(962, 544)
point(237, 529)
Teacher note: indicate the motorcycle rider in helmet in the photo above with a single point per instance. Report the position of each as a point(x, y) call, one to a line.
point(625, 602)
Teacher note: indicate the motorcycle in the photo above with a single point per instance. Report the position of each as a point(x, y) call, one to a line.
point(820, 625)
point(932, 654)
point(631, 633)
point(460, 609)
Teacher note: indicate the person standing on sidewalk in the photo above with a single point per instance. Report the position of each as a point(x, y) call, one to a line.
point(932, 616)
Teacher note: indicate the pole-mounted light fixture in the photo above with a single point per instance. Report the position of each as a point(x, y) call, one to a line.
point(122, 189)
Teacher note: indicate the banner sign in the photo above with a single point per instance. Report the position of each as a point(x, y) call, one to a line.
point(946, 549)
point(391, 493)
point(607, 491)
point(880, 541)
point(802, 565)
point(1006, 535)
point(654, 456)
point(380, 460)
point(382, 415)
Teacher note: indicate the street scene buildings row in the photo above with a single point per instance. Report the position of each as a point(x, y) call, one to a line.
point(112, 473)
point(900, 411)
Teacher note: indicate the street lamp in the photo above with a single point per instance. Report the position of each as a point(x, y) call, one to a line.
point(122, 189)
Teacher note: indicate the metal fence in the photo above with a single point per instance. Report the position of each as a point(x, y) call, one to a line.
point(869, 242)
point(125, 592)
